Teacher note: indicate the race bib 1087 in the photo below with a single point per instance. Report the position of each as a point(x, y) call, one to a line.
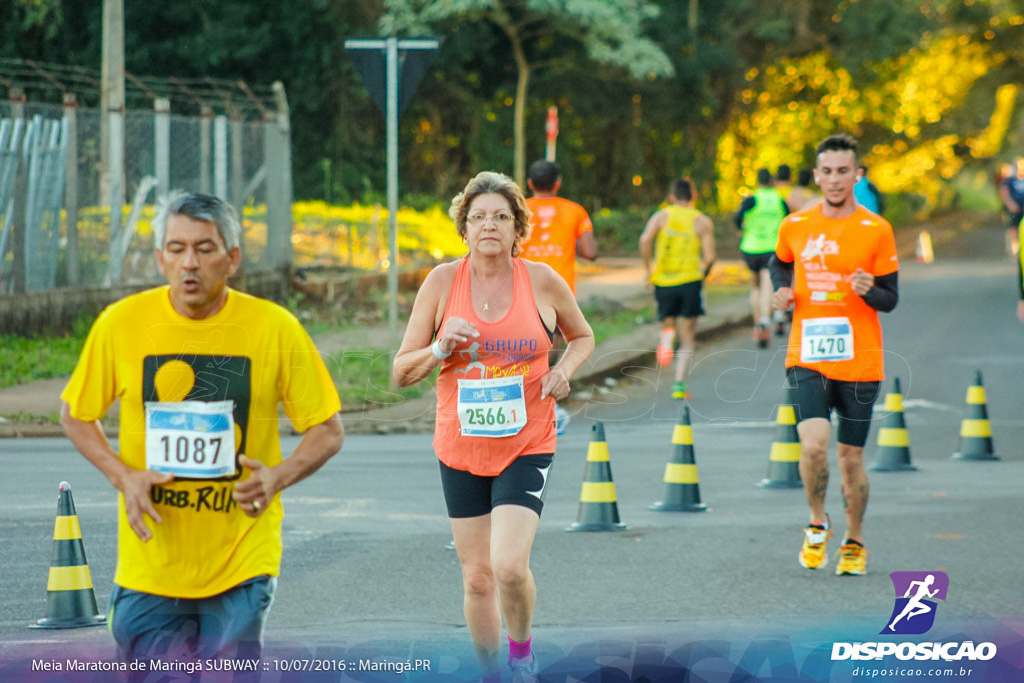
point(194, 439)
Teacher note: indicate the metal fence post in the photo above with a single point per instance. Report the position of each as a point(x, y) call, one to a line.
point(162, 145)
point(72, 259)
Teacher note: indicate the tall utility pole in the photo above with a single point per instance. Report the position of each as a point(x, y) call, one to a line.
point(112, 124)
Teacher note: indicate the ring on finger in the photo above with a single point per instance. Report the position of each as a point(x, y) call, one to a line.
point(256, 505)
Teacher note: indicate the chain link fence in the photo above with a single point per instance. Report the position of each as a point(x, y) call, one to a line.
point(58, 227)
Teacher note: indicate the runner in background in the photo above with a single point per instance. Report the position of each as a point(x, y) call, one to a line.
point(759, 217)
point(560, 230)
point(802, 195)
point(783, 181)
point(836, 264)
point(679, 242)
point(1011, 192)
point(867, 194)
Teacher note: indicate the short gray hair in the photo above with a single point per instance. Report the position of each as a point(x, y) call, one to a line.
point(198, 207)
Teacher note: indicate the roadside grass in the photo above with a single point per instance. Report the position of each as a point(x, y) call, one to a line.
point(362, 375)
point(27, 359)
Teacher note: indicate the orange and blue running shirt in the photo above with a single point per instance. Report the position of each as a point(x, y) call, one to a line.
point(834, 332)
point(556, 225)
point(490, 386)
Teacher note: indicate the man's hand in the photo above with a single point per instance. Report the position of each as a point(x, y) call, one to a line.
point(135, 487)
point(1020, 310)
point(862, 282)
point(782, 299)
point(255, 493)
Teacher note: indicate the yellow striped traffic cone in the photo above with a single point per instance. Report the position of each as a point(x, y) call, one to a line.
point(70, 601)
point(784, 460)
point(682, 487)
point(975, 431)
point(599, 510)
point(893, 441)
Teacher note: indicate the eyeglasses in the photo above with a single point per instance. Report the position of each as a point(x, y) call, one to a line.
point(501, 219)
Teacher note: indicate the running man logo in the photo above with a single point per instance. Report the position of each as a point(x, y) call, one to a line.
point(819, 247)
point(914, 611)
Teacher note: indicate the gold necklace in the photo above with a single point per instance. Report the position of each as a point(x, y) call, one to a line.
point(494, 290)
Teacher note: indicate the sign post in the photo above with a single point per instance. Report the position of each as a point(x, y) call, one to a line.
point(551, 130)
point(391, 69)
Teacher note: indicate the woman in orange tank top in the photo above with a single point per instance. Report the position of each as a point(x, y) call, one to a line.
point(490, 316)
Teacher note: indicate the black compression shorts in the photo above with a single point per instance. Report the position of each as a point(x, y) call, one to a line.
point(814, 395)
point(521, 483)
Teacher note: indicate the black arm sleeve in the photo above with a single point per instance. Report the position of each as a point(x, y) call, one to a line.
point(884, 295)
point(747, 204)
point(781, 272)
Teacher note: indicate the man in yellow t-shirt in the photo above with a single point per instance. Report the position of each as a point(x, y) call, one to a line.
point(679, 242)
point(200, 370)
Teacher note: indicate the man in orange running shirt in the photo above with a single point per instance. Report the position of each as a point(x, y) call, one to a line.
point(560, 230)
point(836, 263)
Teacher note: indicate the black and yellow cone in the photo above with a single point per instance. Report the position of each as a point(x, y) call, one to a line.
point(682, 486)
point(975, 431)
point(70, 601)
point(599, 509)
point(893, 441)
point(784, 459)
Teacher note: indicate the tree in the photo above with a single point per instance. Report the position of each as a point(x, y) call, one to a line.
point(541, 32)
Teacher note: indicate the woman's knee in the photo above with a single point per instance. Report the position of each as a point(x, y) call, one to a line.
point(478, 581)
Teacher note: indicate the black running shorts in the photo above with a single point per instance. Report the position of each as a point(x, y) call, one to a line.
point(680, 301)
point(521, 483)
point(814, 395)
point(758, 262)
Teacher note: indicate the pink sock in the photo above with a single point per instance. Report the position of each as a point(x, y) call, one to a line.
point(519, 650)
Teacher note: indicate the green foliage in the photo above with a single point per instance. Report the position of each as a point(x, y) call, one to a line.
point(24, 360)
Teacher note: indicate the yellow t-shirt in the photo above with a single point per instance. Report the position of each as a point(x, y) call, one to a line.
point(677, 249)
point(252, 352)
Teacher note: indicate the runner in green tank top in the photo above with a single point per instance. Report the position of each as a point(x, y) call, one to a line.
point(759, 218)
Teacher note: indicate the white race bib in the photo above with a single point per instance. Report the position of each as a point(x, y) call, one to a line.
point(492, 407)
point(826, 339)
point(194, 439)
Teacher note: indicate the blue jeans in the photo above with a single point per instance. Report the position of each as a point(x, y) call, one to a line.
point(225, 626)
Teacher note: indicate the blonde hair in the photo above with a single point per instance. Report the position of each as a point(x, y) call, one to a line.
point(490, 182)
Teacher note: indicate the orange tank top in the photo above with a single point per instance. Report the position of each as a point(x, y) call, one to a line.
point(479, 426)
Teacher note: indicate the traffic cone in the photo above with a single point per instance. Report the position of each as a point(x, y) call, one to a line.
point(70, 601)
point(923, 253)
point(784, 460)
point(599, 510)
point(893, 442)
point(682, 487)
point(975, 431)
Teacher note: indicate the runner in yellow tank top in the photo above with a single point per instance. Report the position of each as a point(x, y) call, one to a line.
point(680, 244)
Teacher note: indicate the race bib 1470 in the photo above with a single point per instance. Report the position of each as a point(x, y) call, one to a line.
point(193, 439)
point(826, 339)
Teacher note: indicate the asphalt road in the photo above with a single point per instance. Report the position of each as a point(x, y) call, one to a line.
point(718, 594)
